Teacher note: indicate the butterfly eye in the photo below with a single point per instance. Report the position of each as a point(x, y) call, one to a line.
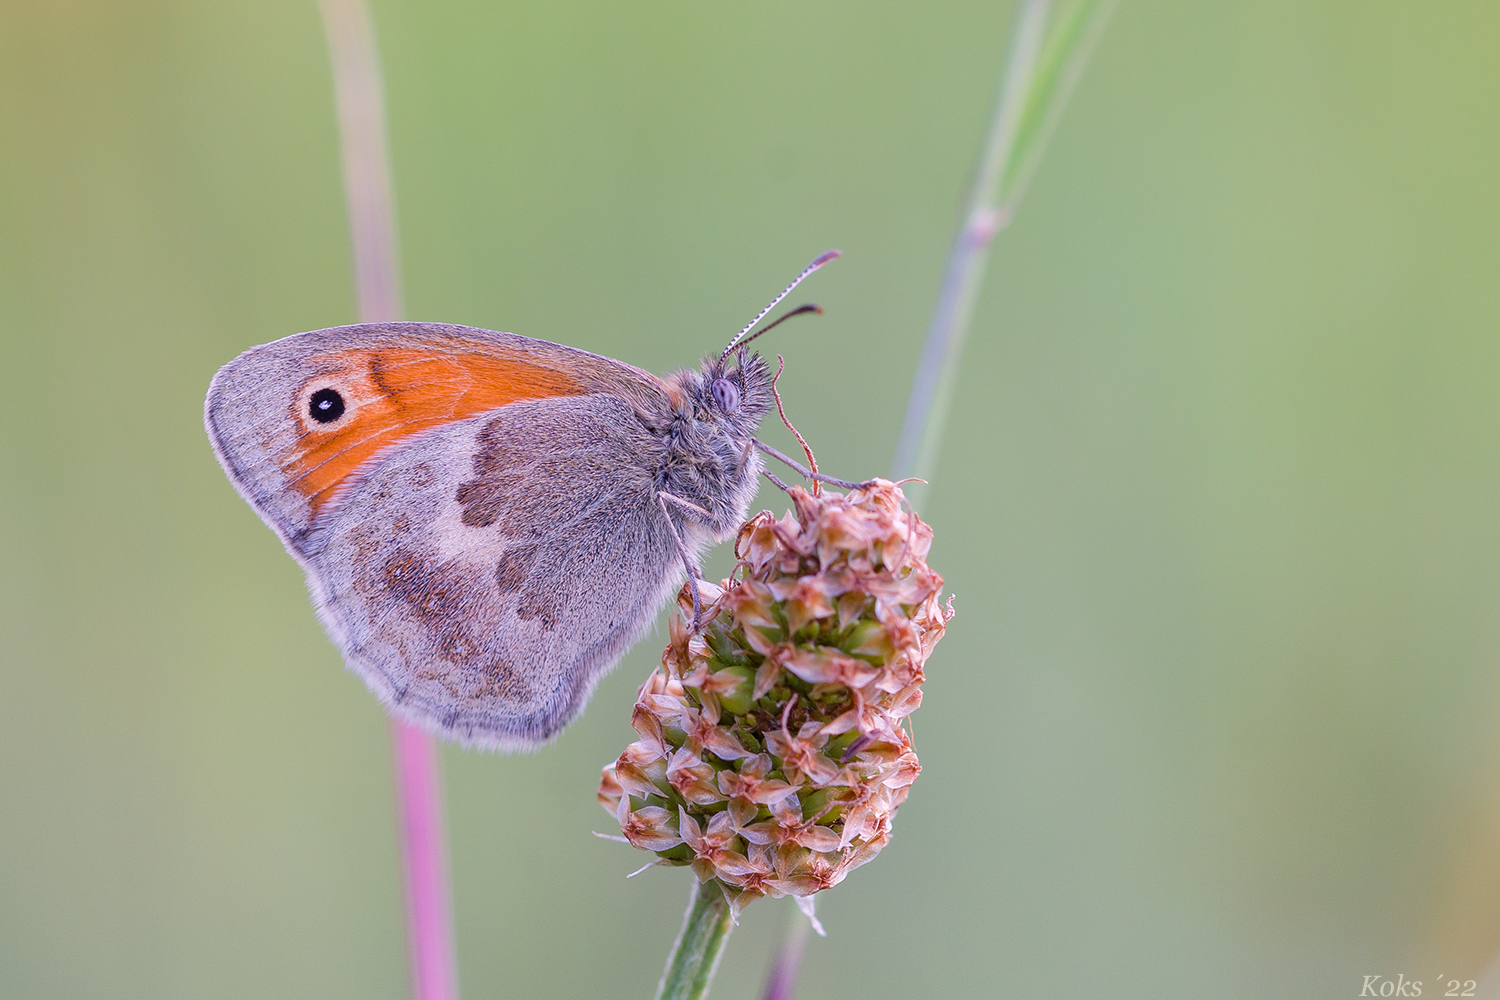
point(725, 394)
point(325, 406)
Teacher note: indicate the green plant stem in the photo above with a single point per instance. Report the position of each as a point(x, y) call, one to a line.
point(1045, 63)
point(699, 945)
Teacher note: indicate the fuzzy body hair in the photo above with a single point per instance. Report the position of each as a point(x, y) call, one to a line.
point(707, 454)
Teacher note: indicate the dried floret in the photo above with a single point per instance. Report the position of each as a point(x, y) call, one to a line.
point(772, 753)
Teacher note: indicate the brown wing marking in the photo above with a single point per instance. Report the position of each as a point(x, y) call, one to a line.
point(390, 394)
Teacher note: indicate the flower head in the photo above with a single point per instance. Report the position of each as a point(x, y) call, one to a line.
point(773, 753)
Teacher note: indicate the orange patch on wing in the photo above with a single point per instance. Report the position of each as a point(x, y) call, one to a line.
point(392, 394)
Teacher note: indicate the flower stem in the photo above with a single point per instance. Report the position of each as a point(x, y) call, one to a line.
point(699, 945)
point(781, 980)
point(424, 857)
point(1045, 63)
point(372, 235)
point(360, 100)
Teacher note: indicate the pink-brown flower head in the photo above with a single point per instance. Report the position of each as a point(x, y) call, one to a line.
point(771, 753)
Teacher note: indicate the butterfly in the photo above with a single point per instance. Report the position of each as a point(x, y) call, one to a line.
point(487, 521)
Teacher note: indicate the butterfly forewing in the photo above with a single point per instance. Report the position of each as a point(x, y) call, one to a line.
point(474, 510)
point(293, 420)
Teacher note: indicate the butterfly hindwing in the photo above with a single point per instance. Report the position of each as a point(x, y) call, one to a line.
point(484, 577)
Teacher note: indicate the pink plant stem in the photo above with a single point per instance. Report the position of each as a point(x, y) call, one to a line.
point(431, 955)
point(429, 913)
point(781, 981)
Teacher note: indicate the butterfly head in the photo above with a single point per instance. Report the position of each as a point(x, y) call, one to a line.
point(724, 398)
point(738, 394)
point(709, 456)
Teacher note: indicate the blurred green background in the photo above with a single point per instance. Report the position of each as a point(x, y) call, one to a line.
point(1219, 712)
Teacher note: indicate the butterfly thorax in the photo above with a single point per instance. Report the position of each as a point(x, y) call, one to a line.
point(707, 452)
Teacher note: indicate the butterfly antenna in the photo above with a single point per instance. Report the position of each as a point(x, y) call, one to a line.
point(823, 258)
point(799, 311)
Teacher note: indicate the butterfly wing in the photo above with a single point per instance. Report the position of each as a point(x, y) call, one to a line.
point(390, 381)
point(483, 578)
point(477, 519)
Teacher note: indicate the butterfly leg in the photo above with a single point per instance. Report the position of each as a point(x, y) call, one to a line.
point(694, 574)
point(810, 474)
point(745, 455)
point(783, 487)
